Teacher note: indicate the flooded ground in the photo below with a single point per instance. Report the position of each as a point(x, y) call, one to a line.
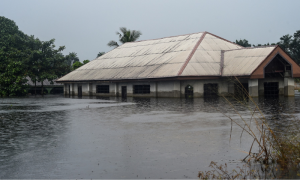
point(137, 138)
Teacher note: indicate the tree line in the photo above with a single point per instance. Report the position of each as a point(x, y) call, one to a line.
point(23, 56)
point(289, 43)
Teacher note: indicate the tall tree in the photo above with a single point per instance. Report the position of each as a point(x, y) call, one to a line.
point(285, 42)
point(291, 44)
point(49, 61)
point(72, 58)
point(22, 56)
point(126, 35)
point(14, 51)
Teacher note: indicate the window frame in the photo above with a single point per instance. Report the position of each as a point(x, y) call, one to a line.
point(141, 89)
point(102, 89)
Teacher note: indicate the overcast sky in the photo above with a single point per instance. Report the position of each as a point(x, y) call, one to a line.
point(86, 26)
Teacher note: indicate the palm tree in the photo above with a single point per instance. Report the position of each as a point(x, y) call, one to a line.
point(72, 58)
point(126, 35)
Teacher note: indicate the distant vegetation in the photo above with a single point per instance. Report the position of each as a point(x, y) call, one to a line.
point(79, 64)
point(100, 54)
point(291, 45)
point(24, 56)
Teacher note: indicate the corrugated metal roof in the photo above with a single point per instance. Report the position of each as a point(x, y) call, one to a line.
point(244, 61)
point(206, 60)
point(196, 54)
point(145, 59)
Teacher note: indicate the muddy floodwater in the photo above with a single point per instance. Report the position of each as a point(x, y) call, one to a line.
point(60, 137)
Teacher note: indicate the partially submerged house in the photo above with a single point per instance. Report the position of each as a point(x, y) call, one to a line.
point(47, 87)
point(193, 65)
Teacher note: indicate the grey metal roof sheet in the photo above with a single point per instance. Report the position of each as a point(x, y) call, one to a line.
point(206, 60)
point(197, 54)
point(244, 61)
point(145, 59)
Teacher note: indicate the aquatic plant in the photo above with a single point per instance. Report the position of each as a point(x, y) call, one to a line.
point(278, 154)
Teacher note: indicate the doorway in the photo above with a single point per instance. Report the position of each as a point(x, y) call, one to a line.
point(271, 89)
point(189, 91)
point(79, 91)
point(124, 91)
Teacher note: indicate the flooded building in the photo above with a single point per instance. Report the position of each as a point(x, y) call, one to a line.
point(48, 87)
point(193, 65)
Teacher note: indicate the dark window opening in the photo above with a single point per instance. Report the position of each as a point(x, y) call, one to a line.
point(241, 90)
point(189, 91)
point(102, 89)
point(210, 90)
point(141, 89)
point(271, 89)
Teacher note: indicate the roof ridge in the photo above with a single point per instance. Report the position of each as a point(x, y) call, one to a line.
point(256, 47)
point(165, 37)
point(192, 53)
point(224, 39)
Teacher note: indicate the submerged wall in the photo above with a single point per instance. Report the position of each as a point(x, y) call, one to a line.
point(176, 89)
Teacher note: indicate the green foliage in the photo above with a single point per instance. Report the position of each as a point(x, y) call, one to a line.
point(126, 35)
point(76, 65)
point(243, 43)
point(14, 52)
point(71, 58)
point(46, 62)
point(100, 54)
point(291, 44)
point(86, 61)
point(22, 56)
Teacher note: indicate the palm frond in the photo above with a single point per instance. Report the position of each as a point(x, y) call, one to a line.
point(124, 30)
point(119, 34)
point(135, 35)
point(113, 44)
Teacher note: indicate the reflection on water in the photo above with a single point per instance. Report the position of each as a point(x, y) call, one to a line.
point(102, 97)
point(212, 99)
point(108, 137)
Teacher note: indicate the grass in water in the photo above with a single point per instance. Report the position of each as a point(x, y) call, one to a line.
point(278, 152)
